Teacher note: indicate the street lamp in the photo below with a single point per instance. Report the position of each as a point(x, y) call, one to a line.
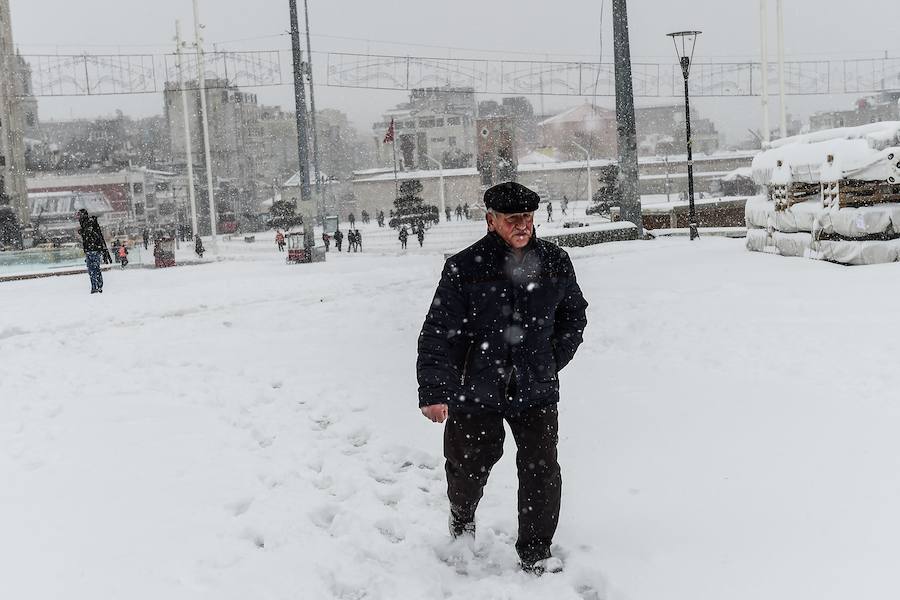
point(590, 189)
point(441, 170)
point(684, 47)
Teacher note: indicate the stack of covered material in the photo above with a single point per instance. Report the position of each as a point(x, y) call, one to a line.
point(832, 195)
point(852, 236)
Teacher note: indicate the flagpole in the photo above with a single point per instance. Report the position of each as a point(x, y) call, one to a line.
point(396, 182)
point(391, 136)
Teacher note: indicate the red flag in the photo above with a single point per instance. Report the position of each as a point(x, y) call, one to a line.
point(389, 136)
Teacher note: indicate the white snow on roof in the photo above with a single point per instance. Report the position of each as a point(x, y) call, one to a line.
point(746, 172)
point(867, 153)
point(577, 114)
point(294, 180)
point(536, 158)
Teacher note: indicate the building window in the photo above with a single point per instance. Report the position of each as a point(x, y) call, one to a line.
point(138, 209)
point(451, 140)
point(438, 122)
point(437, 140)
point(138, 188)
point(162, 187)
point(426, 123)
point(453, 121)
point(409, 124)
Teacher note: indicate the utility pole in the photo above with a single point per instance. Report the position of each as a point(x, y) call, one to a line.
point(590, 188)
point(764, 47)
point(302, 129)
point(312, 114)
point(195, 230)
point(627, 135)
point(201, 80)
point(781, 68)
point(440, 167)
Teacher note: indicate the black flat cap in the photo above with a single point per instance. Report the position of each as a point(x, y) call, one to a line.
point(511, 197)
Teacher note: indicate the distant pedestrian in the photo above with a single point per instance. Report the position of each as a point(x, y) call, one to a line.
point(338, 238)
point(380, 218)
point(466, 210)
point(564, 205)
point(365, 217)
point(327, 239)
point(198, 246)
point(351, 218)
point(115, 249)
point(420, 234)
point(549, 212)
point(459, 212)
point(448, 212)
point(359, 240)
point(146, 236)
point(122, 253)
point(279, 240)
point(95, 249)
point(404, 235)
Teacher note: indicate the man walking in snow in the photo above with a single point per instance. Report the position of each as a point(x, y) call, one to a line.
point(95, 249)
point(507, 316)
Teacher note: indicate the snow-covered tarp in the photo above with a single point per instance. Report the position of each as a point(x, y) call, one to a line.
point(868, 153)
point(851, 236)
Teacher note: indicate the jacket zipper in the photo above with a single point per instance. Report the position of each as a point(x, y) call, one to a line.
point(462, 378)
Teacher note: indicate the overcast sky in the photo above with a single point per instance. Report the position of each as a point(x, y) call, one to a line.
point(814, 29)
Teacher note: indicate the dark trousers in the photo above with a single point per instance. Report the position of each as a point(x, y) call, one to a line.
point(93, 260)
point(473, 443)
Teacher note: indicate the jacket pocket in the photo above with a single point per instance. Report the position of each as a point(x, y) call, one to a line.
point(544, 367)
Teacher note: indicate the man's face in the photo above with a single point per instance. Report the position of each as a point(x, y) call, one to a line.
point(515, 228)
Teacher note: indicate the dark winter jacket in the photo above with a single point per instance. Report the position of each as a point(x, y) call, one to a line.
point(91, 236)
point(495, 317)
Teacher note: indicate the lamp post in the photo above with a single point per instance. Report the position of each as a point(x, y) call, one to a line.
point(590, 189)
point(685, 41)
point(441, 170)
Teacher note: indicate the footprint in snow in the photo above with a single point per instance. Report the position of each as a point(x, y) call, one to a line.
point(322, 422)
point(262, 439)
point(390, 497)
point(239, 507)
point(323, 517)
point(359, 437)
point(392, 529)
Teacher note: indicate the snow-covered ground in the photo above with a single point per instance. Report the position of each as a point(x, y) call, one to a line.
point(248, 429)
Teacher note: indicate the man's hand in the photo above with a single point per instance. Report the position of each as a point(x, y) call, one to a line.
point(436, 412)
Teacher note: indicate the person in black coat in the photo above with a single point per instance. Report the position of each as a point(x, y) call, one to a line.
point(338, 238)
point(507, 317)
point(95, 249)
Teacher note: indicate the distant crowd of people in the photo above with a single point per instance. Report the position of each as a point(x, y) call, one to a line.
point(354, 239)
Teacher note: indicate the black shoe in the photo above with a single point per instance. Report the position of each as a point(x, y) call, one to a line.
point(460, 529)
point(551, 564)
